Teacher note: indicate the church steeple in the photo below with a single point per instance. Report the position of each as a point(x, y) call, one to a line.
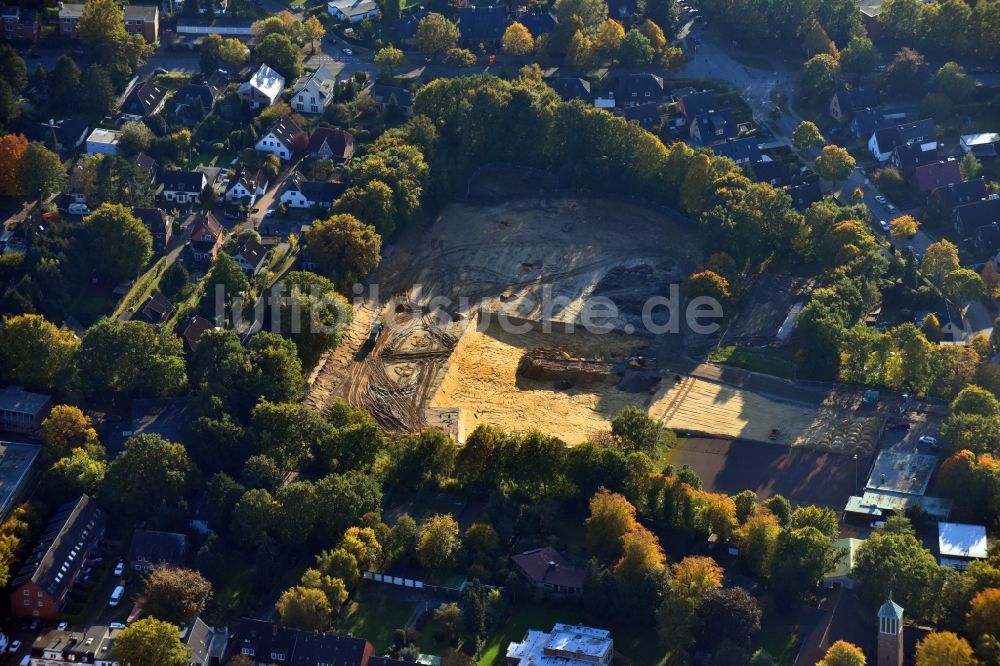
point(890, 633)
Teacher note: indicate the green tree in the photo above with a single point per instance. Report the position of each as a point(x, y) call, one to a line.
point(63, 82)
point(149, 470)
point(389, 59)
point(13, 69)
point(584, 13)
point(634, 430)
point(436, 34)
point(822, 518)
point(438, 541)
point(952, 80)
point(963, 285)
point(304, 608)
point(635, 49)
point(807, 135)
point(898, 563)
point(41, 172)
point(79, 471)
point(176, 595)
point(97, 93)
point(860, 56)
point(226, 275)
point(820, 78)
point(345, 248)
point(150, 642)
point(118, 244)
point(372, 203)
point(758, 539)
point(34, 352)
point(729, 614)
point(969, 166)
point(130, 357)
point(136, 137)
point(392, 10)
point(977, 401)
point(834, 163)
point(802, 558)
point(279, 52)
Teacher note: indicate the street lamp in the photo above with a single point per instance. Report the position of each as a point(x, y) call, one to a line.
point(855, 473)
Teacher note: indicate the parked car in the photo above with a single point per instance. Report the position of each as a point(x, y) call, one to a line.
point(878, 524)
point(116, 625)
point(14, 647)
point(62, 626)
point(35, 624)
point(927, 439)
point(881, 199)
point(884, 225)
point(119, 568)
point(348, 52)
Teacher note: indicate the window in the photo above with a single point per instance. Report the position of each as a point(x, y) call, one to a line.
point(248, 651)
point(280, 656)
point(27, 602)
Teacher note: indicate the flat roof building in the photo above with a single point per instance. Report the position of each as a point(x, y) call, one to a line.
point(16, 462)
point(23, 411)
point(565, 645)
point(958, 544)
point(897, 482)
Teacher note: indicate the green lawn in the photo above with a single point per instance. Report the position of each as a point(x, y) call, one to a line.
point(767, 361)
point(376, 619)
point(638, 645)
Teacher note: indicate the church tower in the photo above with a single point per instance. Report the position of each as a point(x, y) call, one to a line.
point(890, 634)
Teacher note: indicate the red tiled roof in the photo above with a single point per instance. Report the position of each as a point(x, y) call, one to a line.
point(547, 566)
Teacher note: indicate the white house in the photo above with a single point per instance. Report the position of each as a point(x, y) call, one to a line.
point(263, 89)
point(251, 256)
point(183, 187)
point(353, 11)
point(313, 93)
point(246, 187)
point(284, 139)
point(103, 142)
point(984, 144)
point(299, 193)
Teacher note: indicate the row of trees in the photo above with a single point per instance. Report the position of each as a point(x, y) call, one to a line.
point(950, 27)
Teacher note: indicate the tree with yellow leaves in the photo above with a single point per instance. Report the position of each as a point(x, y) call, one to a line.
point(608, 38)
point(944, 648)
point(582, 51)
point(517, 40)
point(843, 653)
point(695, 575)
point(611, 518)
point(12, 150)
point(312, 30)
point(655, 35)
point(984, 613)
point(904, 226)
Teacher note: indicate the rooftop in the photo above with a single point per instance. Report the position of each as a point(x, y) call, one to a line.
point(16, 399)
point(901, 472)
point(960, 540)
point(100, 135)
point(565, 645)
point(16, 461)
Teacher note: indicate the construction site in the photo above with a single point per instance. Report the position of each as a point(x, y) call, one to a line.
point(479, 321)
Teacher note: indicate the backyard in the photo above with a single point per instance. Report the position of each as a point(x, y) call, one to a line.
point(376, 618)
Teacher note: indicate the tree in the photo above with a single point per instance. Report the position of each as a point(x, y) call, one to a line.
point(340, 564)
point(807, 136)
point(944, 648)
point(436, 34)
point(118, 244)
point(822, 518)
point(304, 608)
point(802, 558)
point(635, 49)
point(149, 470)
point(904, 226)
point(758, 539)
point(63, 82)
point(345, 248)
point(392, 11)
point(150, 642)
point(984, 613)
point(136, 137)
point(584, 13)
point(12, 150)
point(906, 74)
point(97, 94)
point(225, 274)
point(101, 21)
point(312, 30)
point(729, 614)
point(608, 37)
point(898, 563)
point(517, 40)
point(860, 56)
point(963, 285)
point(695, 575)
point(611, 518)
point(834, 163)
point(708, 284)
point(952, 80)
point(940, 258)
point(459, 58)
point(41, 172)
point(176, 595)
point(34, 352)
point(931, 328)
point(372, 203)
point(843, 653)
point(969, 166)
point(10, 106)
point(438, 541)
point(654, 34)
point(13, 69)
point(312, 315)
point(279, 52)
point(634, 430)
point(582, 51)
point(817, 41)
point(67, 428)
point(80, 472)
point(334, 588)
point(388, 59)
point(820, 78)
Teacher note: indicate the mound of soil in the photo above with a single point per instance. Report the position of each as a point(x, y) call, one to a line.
point(638, 381)
point(558, 366)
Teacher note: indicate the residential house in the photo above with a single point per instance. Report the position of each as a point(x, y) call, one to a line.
point(61, 135)
point(207, 236)
point(481, 25)
point(103, 142)
point(69, 16)
point(206, 644)
point(155, 310)
point(842, 574)
point(284, 139)
point(199, 96)
point(191, 330)
point(567, 645)
point(984, 144)
point(804, 195)
point(941, 202)
point(930, 176)
point(331, 143)
point(713, 127)
point(65, 647)
point(266, 644)
point(66, 547)
point(866, 121)
point(146, 99)
point(246, 187)
point(263, 89)
point(908, 156)
point(570, 87)
point(846, 103)
point(647, 115)
point(18, 23)
point(773, 172)
point(987, 238)
point(636, 89)
point(143, 20)
point(387, 96)
point(313, 93)
point(971, 216)
point(954, 325)
point(151, 548)
point(695, 104)
point(183, 187)
point(147, 166)
point(251, 256)
point(539, 23)
point(353, 11)
point(741, 151)
point(960, 544)
point(546, 568)
point(23, 411)
point(406, 28)
point(883, 142)
point(300, 193)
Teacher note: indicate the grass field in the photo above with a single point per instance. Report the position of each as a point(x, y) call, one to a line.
point(375, 619)
point(767, 361)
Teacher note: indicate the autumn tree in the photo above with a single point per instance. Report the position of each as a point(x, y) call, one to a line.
point(608, 37)
point(345, 248)
point(118, 244)
point(654, 34)
point(816, 41)
point(820, 77)
point(940, 258)
point(834, 163)
point(758, 539)
point(963, 285)
point(67, 428)
point(517, 40)
point(807, 135)
point(436, 34)
point(944, 648)
point(150, 642)
point(611, 518)
point(12, 150)
point(984, 613)
point(389, 59)
point(693, 576)
point(708, 284)
point(582, 52)
point(843, 653)
point(904, 226)
point(304, 608)
point(176, 595)
point(34, 352)
point(438, 541)
point(969, 166)
point(312, 30)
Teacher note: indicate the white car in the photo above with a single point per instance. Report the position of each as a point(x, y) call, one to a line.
point(116, 625)
point(348, 52)
point(62, 626)
point(119, 568)
point(884, 225)
point(881, 199)
point(890, 207)
point(14, 647)
point(927, 439)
